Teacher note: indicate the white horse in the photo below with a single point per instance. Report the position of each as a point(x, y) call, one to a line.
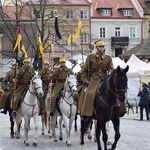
point(67, 108)
point(30, 108)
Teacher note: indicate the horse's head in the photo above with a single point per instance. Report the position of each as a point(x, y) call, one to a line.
point(120, 82)
point(71, 81)
point(36, 84)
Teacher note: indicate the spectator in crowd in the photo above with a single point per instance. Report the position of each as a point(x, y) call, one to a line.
point(144, 95)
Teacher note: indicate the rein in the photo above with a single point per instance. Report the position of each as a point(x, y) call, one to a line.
point(71, 95)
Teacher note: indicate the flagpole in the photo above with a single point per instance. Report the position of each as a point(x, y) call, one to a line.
point(81, 45)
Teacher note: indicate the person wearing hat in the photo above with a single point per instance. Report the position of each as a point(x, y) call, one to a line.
point(45, 77)
point(23, 78)
point(59, 77)
point(8, 85)
point(95, 71)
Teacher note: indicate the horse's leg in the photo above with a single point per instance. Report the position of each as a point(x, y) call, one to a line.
point(66, 123)
point(53, 119)
point(116, 124)
point(83, 129)
point(18, 124)
point(105, 136)
point(98, 132)
point(36, 129)
point(26, 130)
point(90, 129)
point(42, 120)
point(60, 128)
point(11, 125)
point(50, 126)
point(75, 123)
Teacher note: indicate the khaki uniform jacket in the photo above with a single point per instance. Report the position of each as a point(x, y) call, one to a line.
point(95, 70)
point(24, 76)
point(7, 83)
point(59, 77)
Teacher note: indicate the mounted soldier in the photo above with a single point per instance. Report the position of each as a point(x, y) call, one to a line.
point(23, 78)
point(45, 76)
point(59, 77)
point(96, 69)
point(8, 85)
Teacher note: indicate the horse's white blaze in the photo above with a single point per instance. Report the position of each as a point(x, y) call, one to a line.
point(29, 108)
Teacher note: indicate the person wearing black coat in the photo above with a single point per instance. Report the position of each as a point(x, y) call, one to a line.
point(144, 96)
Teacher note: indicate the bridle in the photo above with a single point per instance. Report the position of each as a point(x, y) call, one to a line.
point(35, 88)
point(116, 89)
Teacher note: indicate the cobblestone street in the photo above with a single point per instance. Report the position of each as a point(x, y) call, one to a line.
point(134, 136)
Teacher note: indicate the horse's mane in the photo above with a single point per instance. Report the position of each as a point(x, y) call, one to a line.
point(103, 85)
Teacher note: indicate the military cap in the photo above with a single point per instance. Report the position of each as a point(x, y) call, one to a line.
point(62, 60)
point(55, 67)
point(26, 60)
point(46, 62)
point(99, 43)
point(14, 63)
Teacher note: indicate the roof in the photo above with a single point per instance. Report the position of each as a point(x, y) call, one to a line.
point(115, 5)
point(25, 12)
point(64, 2)
point(145, 7)
point(140, 50)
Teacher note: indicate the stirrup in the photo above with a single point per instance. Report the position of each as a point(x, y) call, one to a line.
point(14, 114)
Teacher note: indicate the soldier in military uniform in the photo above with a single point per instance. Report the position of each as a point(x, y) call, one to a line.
point(95, 70)
point(59, 77)
point(45, 77)
point(8, 86)
point(23, 78)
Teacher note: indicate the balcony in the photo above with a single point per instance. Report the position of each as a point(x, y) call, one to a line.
point(119, 42)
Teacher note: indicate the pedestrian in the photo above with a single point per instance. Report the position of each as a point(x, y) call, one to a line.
point(59, 78)
point(149, 96)
point(8, 85)
point(96, 69)
point(144, 95)
point(45, 77)
point(23, 78)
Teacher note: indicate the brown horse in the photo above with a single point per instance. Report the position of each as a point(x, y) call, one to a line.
point(106, 106)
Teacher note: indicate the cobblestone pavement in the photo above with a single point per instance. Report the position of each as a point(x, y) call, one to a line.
point(135, 135)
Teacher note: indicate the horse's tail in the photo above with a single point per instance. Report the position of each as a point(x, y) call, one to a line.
point(45, 119)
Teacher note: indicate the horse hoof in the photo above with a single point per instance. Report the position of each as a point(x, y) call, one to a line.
point(34, 144)
point(43, 133)
point(55, 140)
point(68, 144)
point(26, 144)
point(60, 138)
point(95, 140)
point(12, 136)
point(109, 143)
point(89, 137)
point(75, 130)
point(48, 132)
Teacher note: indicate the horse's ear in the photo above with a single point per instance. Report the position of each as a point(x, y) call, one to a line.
point(118, 69)
point(126, 69)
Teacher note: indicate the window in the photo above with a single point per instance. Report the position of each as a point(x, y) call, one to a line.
point(148, 25)
point(117, 32)
point(84, 38)
point(127, 12)
point(70, 14)
point(38, 14)
point(102, 32)
point(84, 14)
point(132, 32)
point(105, 12)
point(52, 14)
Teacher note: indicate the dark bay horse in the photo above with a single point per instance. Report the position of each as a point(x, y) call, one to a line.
point(106, 107)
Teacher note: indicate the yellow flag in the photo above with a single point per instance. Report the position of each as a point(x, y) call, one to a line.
point(25, 52)
point(19, 38)
point(78, 30)
point(69, 39)
point(41, 49)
